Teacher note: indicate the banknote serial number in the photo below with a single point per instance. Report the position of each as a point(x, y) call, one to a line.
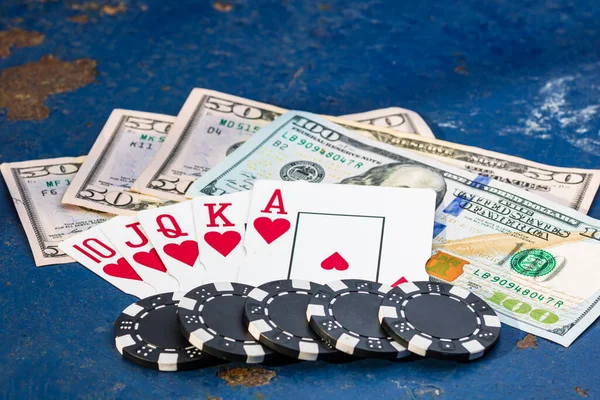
point(240, 126)
point(54, 187)
point(531, 294)
point(315, 148)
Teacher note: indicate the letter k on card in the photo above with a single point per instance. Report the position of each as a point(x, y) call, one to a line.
point(220, 228)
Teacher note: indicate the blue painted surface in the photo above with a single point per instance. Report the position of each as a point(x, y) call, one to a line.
point(518, 77)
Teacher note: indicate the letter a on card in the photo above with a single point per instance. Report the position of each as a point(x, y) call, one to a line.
point(268, 232)
point(220, 228)
point(271, 228)
point(173, 234)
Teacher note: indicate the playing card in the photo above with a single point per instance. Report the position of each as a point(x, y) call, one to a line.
point(172, 233)
point(128, 236)
point(220, 230)
point(325, 232)
point(95, 251)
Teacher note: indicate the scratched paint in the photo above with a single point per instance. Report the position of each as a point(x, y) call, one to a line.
point(552, 113)
point(248, 377)
point(23, 89)
point(19, 38)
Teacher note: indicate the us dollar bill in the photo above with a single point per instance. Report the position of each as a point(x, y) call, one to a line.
point(126, 145)
point(571, 187)
point(528, 257)
point(396, 118)
point(209, 127)
point(36, 188)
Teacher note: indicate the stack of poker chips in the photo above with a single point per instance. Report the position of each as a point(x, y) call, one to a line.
point(295, 319)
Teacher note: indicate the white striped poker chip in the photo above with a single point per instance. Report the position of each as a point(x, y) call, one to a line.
point(344, 313)
point(147, 333)
point(211, 318)
point(439, 320)
point(275, 313)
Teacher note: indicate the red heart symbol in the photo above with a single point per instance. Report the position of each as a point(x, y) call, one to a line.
point(224, 242)
point(399, 281)
point(271, 229)
point(186, 251)
point(150, 259)
point(121, 269)
point(335, 261)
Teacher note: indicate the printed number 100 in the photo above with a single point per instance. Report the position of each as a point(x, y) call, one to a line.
point(518, 307)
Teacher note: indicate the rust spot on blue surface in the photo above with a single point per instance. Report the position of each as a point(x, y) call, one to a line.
point(222, 6)
point(249, 377)
point(528, 342)
point(17, 37)
point(24, 88)
point(79, 19)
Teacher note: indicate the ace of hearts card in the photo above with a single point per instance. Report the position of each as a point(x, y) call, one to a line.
point(325, 232)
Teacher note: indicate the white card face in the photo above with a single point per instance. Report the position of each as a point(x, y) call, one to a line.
point(128, 236)
point(220, 230)
point(173, 234)
point(95, 251)
point(323, 232)
point(334, 250)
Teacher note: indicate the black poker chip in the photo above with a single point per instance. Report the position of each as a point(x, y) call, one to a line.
point(344, 313)
point(147, 333)
point(211, 318)
point(276, 316)
point(439, 320)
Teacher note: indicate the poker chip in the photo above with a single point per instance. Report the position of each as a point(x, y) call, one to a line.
point(439, 320)
point(276, 316)
point(344, 313)
point(147, 333)
point(211, 317)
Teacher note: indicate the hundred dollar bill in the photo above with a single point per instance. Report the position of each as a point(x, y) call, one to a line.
point(572, 187)
point(209, 127)
point(396, 118)
point(125, 146)
point(530, 258)
point(36, 188)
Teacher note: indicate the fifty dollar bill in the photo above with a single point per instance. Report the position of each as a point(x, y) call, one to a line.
point(571, 187)
point(396, 118)
point(125, 146)
point(37, 188)
point(526, 256)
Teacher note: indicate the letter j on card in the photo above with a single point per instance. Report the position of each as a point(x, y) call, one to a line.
point(128, 236)
point(325, 232)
